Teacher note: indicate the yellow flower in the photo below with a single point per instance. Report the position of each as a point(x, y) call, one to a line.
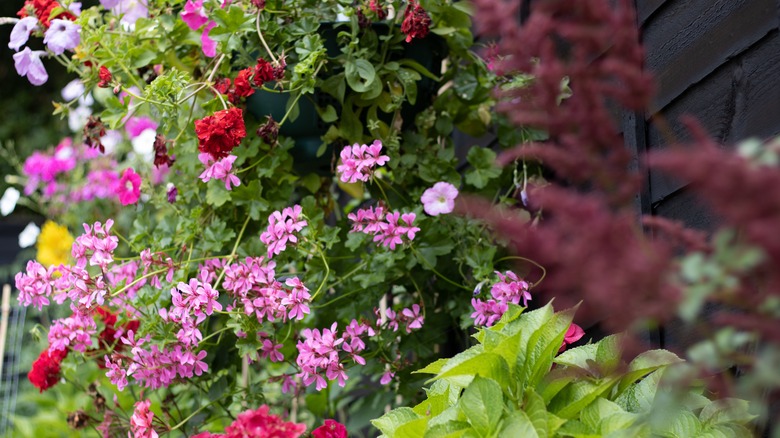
point(54, 244)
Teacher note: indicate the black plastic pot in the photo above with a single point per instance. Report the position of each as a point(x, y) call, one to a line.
point(308, 128)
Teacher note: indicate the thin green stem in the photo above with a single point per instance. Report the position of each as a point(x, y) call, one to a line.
point(327, 274)
point(544, 271)
point(438, 274)
point(124, 68)
point(215, 333)
point(289, 110)
point(262, 40)
point(197, 411)
point(350, 273)
point(137, 280)
point(252, 165)
point(384, 195)
point(235, 248)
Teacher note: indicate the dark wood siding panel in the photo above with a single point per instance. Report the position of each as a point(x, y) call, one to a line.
point(687, 40)
point(646, 8)
point(739, 100)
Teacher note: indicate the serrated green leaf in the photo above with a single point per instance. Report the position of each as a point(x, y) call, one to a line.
point(482, 403)
point(646, 363)
point(488, 365)
point(727, 410)
point(433, 367)
point(684, 424)
point(536, 410)
point(575, 397)
point(484, 167)
point(518, 425)
point(392, 420)
point(216, 194)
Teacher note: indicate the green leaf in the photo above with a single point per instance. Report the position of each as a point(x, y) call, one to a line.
point(416, 66)
point(328, 115)
point(578, 395)
point(413, 429)
point(537, 412)
point(725, 411)
point(519, 425)
point(360, 74)
point(450, 429)
point(440, 397)
point(392, 420)
point(682, 425)
point(597, 411)
point(646, 363)
point(312, 182)
point(639, 397)
point(484, 167)
point(433, 367)
point(350, 126)
point(543, 345)
point(488, 365)
point(216, 194)
point(482, 403)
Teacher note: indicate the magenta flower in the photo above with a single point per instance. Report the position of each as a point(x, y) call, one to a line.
point(129, 187)
point(34, 285)
point(573, 334)
point(359, 161)
point(194, 15)
point(21, 32)
point(415, 320)
point(221, 170)
point(208, 45)
point(62, 35)
point(73, 332)
point(387, 377)
point(439, 199)
point(511, 289)
point(28, 63)
point(271, 350)
point(282, 227)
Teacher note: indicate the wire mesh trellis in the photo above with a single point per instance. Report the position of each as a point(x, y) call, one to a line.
point(11, 333)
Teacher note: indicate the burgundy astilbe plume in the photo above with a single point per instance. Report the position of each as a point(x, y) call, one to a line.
point(594, 46)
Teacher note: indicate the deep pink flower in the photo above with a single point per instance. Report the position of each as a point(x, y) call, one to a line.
point(282, 227)
point(260, 423)
point(208, 45)
point(129, 187)
point(194, 15)
point(221, 170)
point(439, 199)
point(387, 377)
point(415, 320)
point(358, 161)
point(34, 285)
point(331, 429)
point(573, 334)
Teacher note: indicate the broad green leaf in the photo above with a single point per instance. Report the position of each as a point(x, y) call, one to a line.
point(577, 429)
point(536, 410)
point(619, 422)
point(726, 431)
point(433, 367)
point(511, 314)
point(608, 354)
point(488, 365)
point(440, 397)
point(359, 74)
point(519, 425)
point(646, 363)
point(312, 182)
point(727, 410)
point(580, 357)
point(575, 397)
point(682, 425)
point(416, 66)
point(544, 345)
point(597, 411)
point(639, 397)
point(483, 165)
point(413, 429)
point(482, 403)
point(394, 419)
point(216, 194)
point(450, 429)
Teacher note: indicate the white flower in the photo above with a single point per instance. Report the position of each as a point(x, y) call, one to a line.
point(8, 201)
point(78, 117)
point(143, 144)
point(29, 235)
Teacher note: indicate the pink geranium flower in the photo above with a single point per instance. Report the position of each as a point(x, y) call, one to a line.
point(141, 421)
point(128, 189)
point(439, 199)
point(573, 334)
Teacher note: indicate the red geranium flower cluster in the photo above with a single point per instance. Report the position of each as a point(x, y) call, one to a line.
point(250, 78)
point(416, 21)
point(45, 371)
point(42, 9)
point(111, 334)
point(218, 134)
point(258, 424)
point(331, 429)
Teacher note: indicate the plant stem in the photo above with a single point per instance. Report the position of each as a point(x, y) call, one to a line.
point(235, 248)
point(262, 40)
point(440, 275)
point(544, 271)
point(327, 274)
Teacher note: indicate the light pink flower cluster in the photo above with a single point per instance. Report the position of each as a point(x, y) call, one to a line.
point(358, 161)
point(385, 227)
point(75, 332)
point(152, 367)
point(254, 284)
point(319, 353)
point(141, 421)
point(97, 243)
point(34, 285)
point(125, 273)
point(509, 289)
point(392, 320)
point(221, 170)
point(191, 303)
point(282, 227)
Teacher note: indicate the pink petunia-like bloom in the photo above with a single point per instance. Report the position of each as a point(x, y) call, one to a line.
point(141, 421)
point(282, 227)
point(28, 63)
point(358, 161)
point(21, 32)
point(193, 15)
point(128, 190)
point(62, 35)
point(439, 199)
point(130, 10)
point(573, 334)
point(221, 170)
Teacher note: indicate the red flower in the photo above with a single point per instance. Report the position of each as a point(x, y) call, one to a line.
point(45, 371)
point(107, 337)
point(378, 9)
point(223, 85)
point(105, 77)
point(264, 72)
point(261, 424)
point(161, 157)
point(220, 133)
point(241, 85)
point(331, 429)
point(42, 9)
point(416, 22)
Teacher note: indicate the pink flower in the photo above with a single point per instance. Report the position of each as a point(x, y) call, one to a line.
point(221, 170)
point(511, 289)
point(282, 227)
point(128, 189)
point(194, 15)
point(260, 423)
point(74, 332)
point(387, 377)
point(331, 429)
point(439, 199)
point(487, 312)
point(141, 421)
point(358, 161)
point(413, 316)
point(209, 46)
point(34, 285)
point(573, 334)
